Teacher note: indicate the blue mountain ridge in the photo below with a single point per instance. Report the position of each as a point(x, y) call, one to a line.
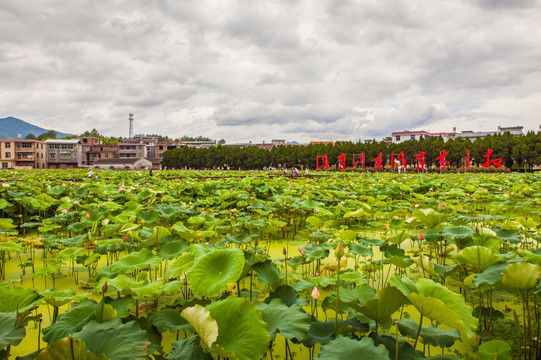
point(11, 128)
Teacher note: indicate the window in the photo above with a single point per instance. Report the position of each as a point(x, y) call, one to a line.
point(26, 146)
point(412, 137)
point(52, 156)
point(106, 155)
point(65, 156)
point(397, 137)
point(8, 145)
point(4, 165)
point(67, 147)
point(54, 146)
point(8, 155)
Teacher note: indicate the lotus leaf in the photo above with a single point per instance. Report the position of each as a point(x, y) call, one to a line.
point(478, 257)
point(389, 299)
point(519, 276)
point(17, 299)
point(210, 273)
point(495, 349)
point(158, 233)
point(458, 232)
point(267, 272)
point(491, 275)
point(68, 349)
point(430, 334)
point(405, 350)
point(116, 340)
point(180, 266)
point(122, 305)
point(188, 349)
point(242, 331)
point(288, 295)
point(352, 276)
point(291, 322)
point(427, 216)
point(71, 321)
point(170, 319)
point(346, 348)
point(361, 250)
point(135, 261)
point(205, 326)
point(11, 333)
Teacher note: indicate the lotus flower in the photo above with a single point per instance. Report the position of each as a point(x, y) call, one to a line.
point(301, 250)
point(315, 293)
point(87, 215)
point(104, 287)
point(75, 202)
point(339, 251)
point(421, 236)
point(64, 211)
point(440, 207)
point(5, 185)
point(384, 227)
point(284, 251)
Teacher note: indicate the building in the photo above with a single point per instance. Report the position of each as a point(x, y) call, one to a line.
point(401, 136)
point(123, 164)
point(472, 135)
point(63, 153)
point(22, 154)
point(137, 150)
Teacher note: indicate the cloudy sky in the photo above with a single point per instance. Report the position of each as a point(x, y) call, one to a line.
point(297, 70)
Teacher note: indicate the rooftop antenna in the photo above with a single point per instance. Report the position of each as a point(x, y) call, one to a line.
point(131, 126)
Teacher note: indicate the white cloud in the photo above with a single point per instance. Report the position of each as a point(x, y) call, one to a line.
point(299, 70)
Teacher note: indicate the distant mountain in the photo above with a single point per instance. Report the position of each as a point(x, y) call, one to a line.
point(11, 128)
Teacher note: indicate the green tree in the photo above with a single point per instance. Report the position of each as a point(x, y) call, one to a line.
point(51, 134)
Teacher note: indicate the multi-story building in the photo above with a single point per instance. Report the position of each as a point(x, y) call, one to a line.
point(401, 136)
point(472, 135)
point(22, 154)
point(132, 150)
point(63, 153)
point(93, 150)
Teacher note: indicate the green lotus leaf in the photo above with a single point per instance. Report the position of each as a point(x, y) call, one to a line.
point(71, 321)
point(442, 357)
point(210, 273)
point(389, 299)
point(399, 237)
point(170, 212)
point(291, 322)
point(10, 246)
point(405, 350)
point(11, 333)
point(58, 298)
point(491, 275)
point(478, 257)
point(180, 266)
point(432, 235)
point(352, 276)
point(314, 221)
point(116, 340)
point(347, 235)
point(400, 261)
point(173, 249)
point(68, 349)
point(532, 257)
point(431, 335)
point(427, 216)
point(17, 299)
point(7, 223)
point(170, 319)
point(288, 295)
point(136, 261)
point(74, 240)
point(528, 223)
point(113, 247)
point(158, 233)
point(183, 231)
point(205, 326)
point(242, 331)
point(150, 217)
point(508, 236)
point(267, 272)
point(453, 302)
point(320, 332)
point(70, 253)
point(519, 276)
point(188, 349)
point(356, 214)
point(121, 283)
point(425, 265)
point(487, 312)
point(458, 232)
point(495, 349)
point(122, 305)
point(360, 250)
point(346, 348)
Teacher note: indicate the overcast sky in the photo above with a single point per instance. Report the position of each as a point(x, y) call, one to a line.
point(297, 70)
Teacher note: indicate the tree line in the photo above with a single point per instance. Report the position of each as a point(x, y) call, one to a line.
point(516, 152)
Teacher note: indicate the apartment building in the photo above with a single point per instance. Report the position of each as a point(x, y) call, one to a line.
point(92, 150)
point(132, 150)
point(63, 153)
point(22, 154)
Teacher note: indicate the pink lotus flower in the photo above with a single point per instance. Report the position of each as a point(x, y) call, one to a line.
point(301, 250)
point(342, 202)
point(87, 215)
point(289, 187)
point(5, 185)
point(125, 238)
point(421, 236)
point(384, 227)
point(440, 207)
point(64, 211)
point(315, 211)
point(474, 198)
point(75, 202)
point(416, 206)
point(315, 293)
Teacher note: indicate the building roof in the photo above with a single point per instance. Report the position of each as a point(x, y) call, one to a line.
point(118, 161)
point(63, 141)
point(21, 140)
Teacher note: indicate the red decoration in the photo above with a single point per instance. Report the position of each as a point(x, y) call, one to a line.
point(467, 160)
point(402, 160)
point(496, 162)
point(342, 161)
point(441, 160)
point(420, 161)
point(324, 162)
point(358, 160)
point(378, 162)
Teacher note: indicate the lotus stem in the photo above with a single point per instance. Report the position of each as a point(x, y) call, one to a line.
point(418, 331)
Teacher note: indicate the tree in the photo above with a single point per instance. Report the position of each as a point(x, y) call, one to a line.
point(30, 136)
point(51, 134)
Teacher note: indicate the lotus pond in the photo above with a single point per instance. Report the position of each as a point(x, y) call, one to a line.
point(251, 265)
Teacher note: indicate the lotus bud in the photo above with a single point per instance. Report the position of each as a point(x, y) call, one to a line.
point(315, 211)
point(526, 217)
point(284, 251)
point(256, 242)
point(339, 251)
point(421, 236)
point(476, 229)
point(104, 287)
point(125, 238)
point(64, 211)
point(87, 215)
point(75, 202)
point(315, 293)
point(384, 227)
point(440, 207)
point(416, 206)
point(474, 198)
point(302, 251)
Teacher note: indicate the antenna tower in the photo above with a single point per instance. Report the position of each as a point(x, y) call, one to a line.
point(131, 126)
